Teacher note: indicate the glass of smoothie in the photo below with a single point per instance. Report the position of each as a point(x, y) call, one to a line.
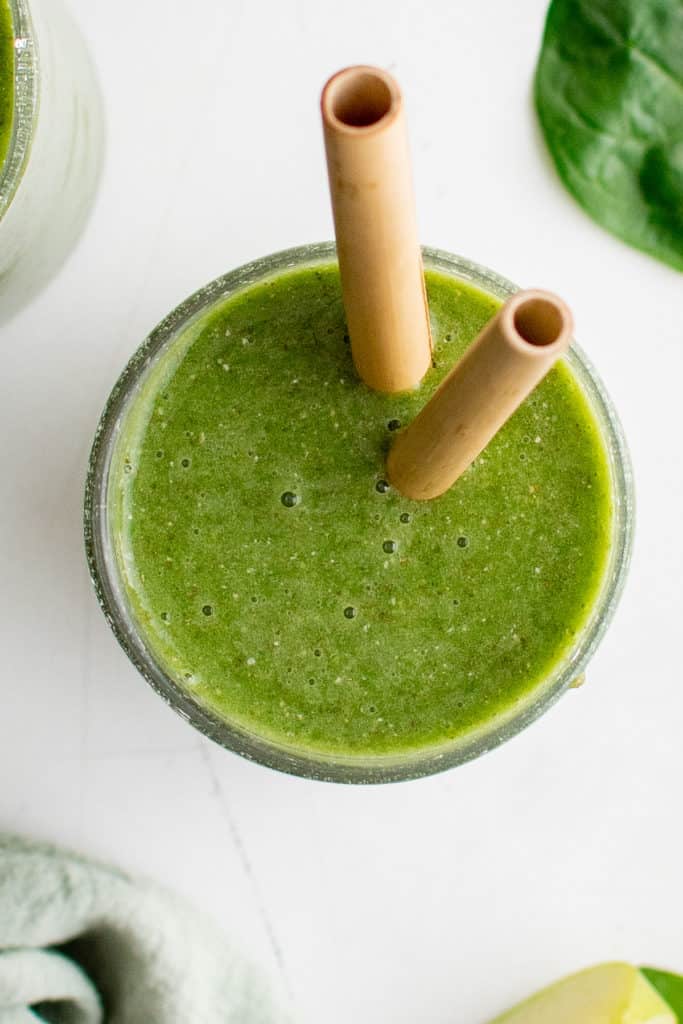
point(50, 144)
point(270, 585)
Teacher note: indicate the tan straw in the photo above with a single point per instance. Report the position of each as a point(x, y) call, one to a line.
point(379, 255)
point(512, 354)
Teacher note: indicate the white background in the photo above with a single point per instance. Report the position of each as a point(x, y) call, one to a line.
point(437, 901)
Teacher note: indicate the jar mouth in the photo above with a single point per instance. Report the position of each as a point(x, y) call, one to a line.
point(362, 768)
point(25, 103)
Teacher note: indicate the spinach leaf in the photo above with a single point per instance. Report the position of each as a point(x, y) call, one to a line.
point(609, 95)
point(669, 986)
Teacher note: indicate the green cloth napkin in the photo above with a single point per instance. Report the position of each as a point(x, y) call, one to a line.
point(81, 943)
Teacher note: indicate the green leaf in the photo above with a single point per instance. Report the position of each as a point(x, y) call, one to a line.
point(669, 986)
point(609, 95)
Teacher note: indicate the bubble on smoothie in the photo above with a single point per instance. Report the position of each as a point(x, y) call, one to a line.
point(317, 652)
point(207, 609)
point(127, 468)
point(165, 617)
point(160, 454)
point(405, 517)
point(350, 612)
point(381, 486)
point(389, 546)
point(462, 542)
point(185, 463)
point(393, 424)
point(289, 499)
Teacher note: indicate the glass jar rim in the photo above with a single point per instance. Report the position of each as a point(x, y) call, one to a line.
point(25, 102)
point(309, 764)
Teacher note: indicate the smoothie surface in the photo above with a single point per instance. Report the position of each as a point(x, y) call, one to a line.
point(6, 78)
point(280, 580)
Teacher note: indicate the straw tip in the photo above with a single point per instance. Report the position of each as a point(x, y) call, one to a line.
point(538, 321)
point(359, 98)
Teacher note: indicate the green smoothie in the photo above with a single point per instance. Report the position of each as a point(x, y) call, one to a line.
point(287, 587)
point(6, 78)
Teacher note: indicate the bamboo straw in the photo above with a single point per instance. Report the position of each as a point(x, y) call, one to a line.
point(511, 355)
point(375, 224)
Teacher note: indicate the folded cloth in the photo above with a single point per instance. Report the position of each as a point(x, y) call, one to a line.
point(81, 943)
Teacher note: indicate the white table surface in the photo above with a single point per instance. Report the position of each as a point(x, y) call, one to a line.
point(437, 901)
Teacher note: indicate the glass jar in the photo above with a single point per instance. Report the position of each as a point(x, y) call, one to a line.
point(111, 593)
point(52, 166)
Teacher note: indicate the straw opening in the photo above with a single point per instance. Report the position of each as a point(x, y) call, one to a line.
point(539, 322)
point(360, 99)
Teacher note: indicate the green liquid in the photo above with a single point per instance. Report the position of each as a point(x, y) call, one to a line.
point(6, 78)
point(277, 579)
